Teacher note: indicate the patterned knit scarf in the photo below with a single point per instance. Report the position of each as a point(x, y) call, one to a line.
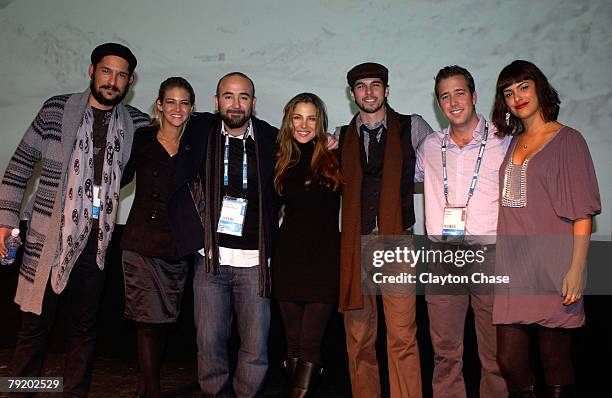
point(76, 221)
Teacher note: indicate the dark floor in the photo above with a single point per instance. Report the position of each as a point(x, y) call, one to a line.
point(118, 378)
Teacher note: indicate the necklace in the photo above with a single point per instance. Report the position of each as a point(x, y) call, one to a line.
point(538, 136)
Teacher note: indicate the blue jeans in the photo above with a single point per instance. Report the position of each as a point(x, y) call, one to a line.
point(216, 299)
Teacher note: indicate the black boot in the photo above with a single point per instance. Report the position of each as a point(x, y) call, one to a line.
point(305, 380)
point(558, 391)
point(524, 393)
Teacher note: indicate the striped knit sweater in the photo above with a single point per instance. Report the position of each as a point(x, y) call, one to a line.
point(49, 139)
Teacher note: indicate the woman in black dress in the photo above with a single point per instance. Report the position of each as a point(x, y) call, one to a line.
point(154, 263)
point(305, 267)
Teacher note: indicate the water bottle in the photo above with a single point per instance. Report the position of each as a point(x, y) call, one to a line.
point(12, 244)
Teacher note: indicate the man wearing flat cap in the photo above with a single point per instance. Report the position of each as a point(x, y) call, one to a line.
point(377, 150)
point(83, 141)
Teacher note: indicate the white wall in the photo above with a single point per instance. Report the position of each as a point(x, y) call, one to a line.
point(293, 46)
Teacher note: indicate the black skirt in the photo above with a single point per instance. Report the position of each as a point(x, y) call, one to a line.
point(153, 287)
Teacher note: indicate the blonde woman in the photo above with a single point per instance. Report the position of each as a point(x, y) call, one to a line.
point(154, 250)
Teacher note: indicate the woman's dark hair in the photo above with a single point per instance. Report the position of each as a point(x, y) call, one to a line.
point(548, 98)
point(166, 85)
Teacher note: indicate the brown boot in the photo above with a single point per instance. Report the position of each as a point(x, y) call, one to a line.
point(289, 364)
point(305, 380)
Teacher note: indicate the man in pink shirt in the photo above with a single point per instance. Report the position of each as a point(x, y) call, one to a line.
point(460, 169)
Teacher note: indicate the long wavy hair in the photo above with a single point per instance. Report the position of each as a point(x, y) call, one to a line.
point(324, 166)
point(548, 98)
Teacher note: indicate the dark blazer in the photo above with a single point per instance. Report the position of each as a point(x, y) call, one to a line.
point(183, 214)
point(179, 213)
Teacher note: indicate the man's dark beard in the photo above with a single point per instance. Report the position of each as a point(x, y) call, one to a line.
point(370, 110)
point(104, 101)
point(234, 123)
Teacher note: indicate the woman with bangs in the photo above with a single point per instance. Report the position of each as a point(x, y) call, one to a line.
point(549, 195)
point(305, 268)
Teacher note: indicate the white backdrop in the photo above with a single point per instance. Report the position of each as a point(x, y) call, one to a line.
point(294, 46)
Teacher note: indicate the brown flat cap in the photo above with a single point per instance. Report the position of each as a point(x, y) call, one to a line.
point(367, 69)
point(115, 49)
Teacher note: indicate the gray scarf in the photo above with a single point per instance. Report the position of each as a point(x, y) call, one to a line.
point(76, 221)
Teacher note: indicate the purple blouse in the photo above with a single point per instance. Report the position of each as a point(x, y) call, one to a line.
point(539, 200)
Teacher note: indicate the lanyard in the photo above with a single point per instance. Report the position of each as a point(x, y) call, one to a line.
point(476, 167)
point(226, 163)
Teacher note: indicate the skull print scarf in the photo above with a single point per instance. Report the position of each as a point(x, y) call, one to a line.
point(76, 220)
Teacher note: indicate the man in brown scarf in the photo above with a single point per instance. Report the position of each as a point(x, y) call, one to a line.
point(377, 159)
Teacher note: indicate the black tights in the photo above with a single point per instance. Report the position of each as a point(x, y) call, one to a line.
point(555, 355)
point(151, 338)
point(304, 328)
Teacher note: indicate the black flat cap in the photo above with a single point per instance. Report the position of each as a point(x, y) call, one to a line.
point(115, 49)
point(367, 69)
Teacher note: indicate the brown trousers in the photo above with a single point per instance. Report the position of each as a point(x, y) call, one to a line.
point(402, 348)
point(446, 325)
point(447, 307)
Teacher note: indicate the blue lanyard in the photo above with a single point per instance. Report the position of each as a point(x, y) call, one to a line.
point(226, 163)
point(476, 168)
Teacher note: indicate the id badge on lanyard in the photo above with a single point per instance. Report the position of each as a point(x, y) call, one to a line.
point(455, 216)
point(453, 224)
point(233, 210)
point(95, 211)
point(231, 220)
